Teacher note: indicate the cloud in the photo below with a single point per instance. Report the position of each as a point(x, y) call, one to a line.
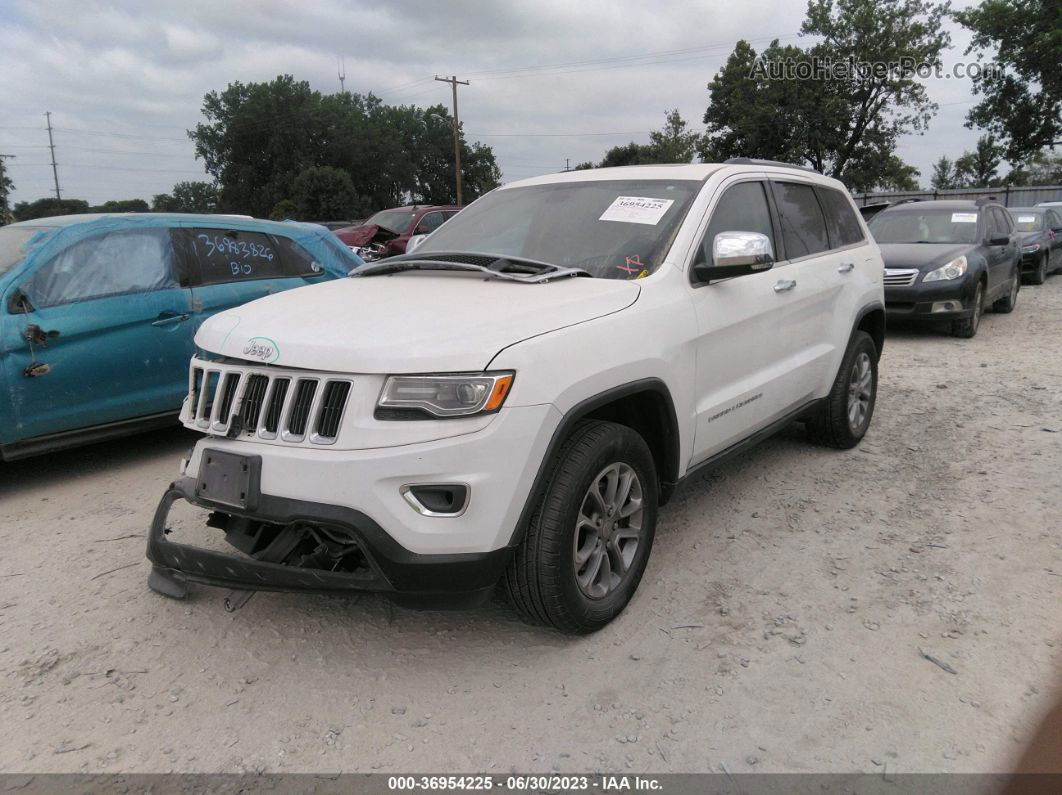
point(125, 79)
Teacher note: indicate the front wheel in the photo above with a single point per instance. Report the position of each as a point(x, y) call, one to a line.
point(1007, 303)
point(967, 326)
point(844, 416)
point(590, 535)
point(1039, 274)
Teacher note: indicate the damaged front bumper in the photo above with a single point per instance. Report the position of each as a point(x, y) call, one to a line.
point(293, 545)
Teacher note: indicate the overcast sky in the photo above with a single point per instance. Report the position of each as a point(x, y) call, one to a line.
point(550, 79)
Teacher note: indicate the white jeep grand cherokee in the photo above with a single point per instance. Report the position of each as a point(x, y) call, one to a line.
point(513, 402)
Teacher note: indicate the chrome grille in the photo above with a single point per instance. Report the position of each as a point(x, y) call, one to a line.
point(269, 403)
point(900, 277)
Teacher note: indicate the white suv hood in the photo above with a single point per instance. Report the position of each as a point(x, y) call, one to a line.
point(407, 322)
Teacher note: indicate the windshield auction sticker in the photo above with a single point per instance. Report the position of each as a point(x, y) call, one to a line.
point(964, 218)
point(636, 210)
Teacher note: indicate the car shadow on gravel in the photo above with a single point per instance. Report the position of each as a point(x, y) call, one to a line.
point(130, 451)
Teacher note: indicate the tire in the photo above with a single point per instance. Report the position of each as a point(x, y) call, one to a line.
point(1039, 276)
point(839, 422)
point(1006, 304)
point(967, 327)
point(552, 579)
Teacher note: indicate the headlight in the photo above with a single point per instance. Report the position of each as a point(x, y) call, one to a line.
point(953, 270)
point(1030, 249)
point(457, 395)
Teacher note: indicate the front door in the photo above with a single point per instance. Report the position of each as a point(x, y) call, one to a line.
point(105, 335)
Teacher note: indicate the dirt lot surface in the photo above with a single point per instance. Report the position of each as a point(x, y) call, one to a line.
point(778, 627)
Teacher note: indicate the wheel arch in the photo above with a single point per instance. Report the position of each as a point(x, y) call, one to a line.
point(871, 319)
point(645, 406)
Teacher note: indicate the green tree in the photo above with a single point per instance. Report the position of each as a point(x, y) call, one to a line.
point(259, 137)
point(283, 210)
point(187, 197)
point(1022, 100)
point(121, 206)
point(673, 144)
point(632, 154)
point(977, 169)
point(1043, 168)
point(824, 105)
point(46, 208)
point(944, 176)
point(323, 193)
point(6, 186)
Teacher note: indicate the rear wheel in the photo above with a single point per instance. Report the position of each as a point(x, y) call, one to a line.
point(589, 537)
point(1006, 304)
point(967, 327)
point(844, 417)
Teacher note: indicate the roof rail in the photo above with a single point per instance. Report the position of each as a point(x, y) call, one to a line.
point(908, 201)
point(750, 161)
point(985, 200)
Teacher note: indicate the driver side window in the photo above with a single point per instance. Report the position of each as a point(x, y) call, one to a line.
point(742, 208)
point(429, 223)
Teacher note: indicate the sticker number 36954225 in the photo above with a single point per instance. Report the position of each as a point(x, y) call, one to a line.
point(637, 210)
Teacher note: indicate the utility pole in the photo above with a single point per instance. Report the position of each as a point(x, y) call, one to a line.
point(51, 145)
point(3, 192)
point(454, 82)
point(342, 73)
point(567, 164)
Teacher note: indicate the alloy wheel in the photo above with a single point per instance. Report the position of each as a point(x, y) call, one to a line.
point(608, 530)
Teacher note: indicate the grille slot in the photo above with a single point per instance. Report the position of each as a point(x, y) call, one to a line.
point(276, 405)
point(300, 408)
point(194, 390)
point(229, 386)
point(900, 277)
point(253, 400)
point(332, 405)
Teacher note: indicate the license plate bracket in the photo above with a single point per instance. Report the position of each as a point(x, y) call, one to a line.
point(229, 479)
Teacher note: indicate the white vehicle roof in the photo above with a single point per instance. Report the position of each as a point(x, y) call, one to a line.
point(668, 171)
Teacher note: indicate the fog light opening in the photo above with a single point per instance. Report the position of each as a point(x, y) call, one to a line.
point(436, 499)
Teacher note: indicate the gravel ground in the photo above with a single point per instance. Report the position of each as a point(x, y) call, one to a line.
point(778, 628)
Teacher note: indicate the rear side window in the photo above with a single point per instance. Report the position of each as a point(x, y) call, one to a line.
point(119, 262)
point(841, 219)
point(235, 255)
point(803, 225)
point(742, 208)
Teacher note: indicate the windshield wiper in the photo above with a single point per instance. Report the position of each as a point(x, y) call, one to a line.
point(495, 266)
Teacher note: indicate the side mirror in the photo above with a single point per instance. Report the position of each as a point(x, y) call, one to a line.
point(999, 240)
point(736, 254)
point(414, 241)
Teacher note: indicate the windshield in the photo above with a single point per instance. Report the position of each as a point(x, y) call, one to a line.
point(392, 220)
point(925, 226)
point(13, 240)
point(1027, 220)
point(615, 229)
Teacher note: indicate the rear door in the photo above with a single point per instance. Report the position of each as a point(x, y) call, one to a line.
point(1000, 257)
point(234, 266)
point(105, 334)
point(1053, 230)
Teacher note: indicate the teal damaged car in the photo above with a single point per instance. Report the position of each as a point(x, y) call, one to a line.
point(98, 313)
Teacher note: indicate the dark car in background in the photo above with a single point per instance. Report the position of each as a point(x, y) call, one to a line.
point(387, 233)
point(948, 260)
point(99, 313)
point(1039, 231)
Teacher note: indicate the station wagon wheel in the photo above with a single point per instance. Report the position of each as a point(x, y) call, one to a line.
point(608, 530)
point(967, 326)
point(590, 531)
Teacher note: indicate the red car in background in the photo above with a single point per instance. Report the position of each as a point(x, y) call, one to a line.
point(387, 233)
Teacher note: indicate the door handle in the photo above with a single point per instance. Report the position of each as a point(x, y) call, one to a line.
point(168, 319)
point(784, 285)
point(846, 267)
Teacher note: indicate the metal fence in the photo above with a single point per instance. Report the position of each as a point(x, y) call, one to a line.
point(1007, 195)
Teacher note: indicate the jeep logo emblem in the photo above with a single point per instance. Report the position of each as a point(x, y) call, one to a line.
point(263, 349)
